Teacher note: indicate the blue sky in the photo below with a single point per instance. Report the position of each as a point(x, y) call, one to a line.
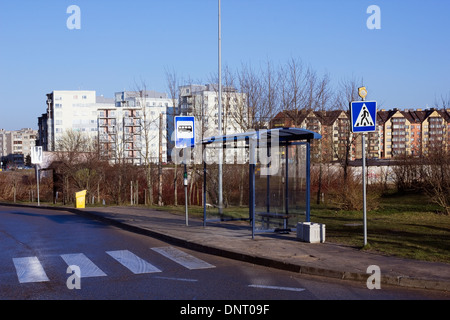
point(405, 64)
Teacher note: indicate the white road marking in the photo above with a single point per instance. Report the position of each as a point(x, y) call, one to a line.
point(133, 262)
point(87, 267)
point(177, 279)
point(183, 258)
point(275, 287)
point(29, 269)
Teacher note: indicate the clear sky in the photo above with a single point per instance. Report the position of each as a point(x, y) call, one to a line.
point(405, 64)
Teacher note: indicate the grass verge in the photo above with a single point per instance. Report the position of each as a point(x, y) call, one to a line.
point(404, 225)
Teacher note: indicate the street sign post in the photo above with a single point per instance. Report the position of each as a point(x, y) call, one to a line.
point(363, 117)
point(185, 138)
point(37, 157)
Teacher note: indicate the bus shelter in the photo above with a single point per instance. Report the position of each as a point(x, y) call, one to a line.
point(266, 178)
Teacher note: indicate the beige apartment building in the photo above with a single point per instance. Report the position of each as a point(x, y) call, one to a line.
point(414, 132)
point(16, 145)
point(398, 132)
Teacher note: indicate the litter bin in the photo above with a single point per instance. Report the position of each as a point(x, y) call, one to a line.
point(80, 199)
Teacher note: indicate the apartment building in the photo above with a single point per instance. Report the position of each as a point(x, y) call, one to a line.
point(16, 145)
point(202, 102)
point(128, 127)
point(67, 110)
point(136, 128)
point(398, 132)
point(414, 132)
point(334, 126)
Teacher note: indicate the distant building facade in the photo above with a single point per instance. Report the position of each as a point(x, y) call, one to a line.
point(202, 102)
point(16, 145)
point(67, 110)
point(126, 127)
point(398, 132)
point(135, 128)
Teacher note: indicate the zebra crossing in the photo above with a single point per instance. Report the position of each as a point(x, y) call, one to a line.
point(30, 269)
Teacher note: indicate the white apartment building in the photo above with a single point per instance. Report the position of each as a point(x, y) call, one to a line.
point(16, 145)
point(135, 128)
point(202, 102)
point(67, 110)
point(127, 127)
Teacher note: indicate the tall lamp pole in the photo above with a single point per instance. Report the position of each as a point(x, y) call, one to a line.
point(220, 116)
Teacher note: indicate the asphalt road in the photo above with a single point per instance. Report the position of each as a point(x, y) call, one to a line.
point(37, 246)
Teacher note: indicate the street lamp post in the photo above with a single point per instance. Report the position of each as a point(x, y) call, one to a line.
point(220, 115)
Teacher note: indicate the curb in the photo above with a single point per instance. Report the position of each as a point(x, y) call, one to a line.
point(401, 281)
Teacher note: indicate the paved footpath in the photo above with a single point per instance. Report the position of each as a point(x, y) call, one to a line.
point(281, 251)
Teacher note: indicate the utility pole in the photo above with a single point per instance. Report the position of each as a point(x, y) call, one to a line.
point(220, 116)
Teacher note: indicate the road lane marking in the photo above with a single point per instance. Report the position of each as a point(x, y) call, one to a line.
point(29, 269)
point(87, 267)
point(177, 279)
point(133, 262)
point(276, 288)
point(183, 258)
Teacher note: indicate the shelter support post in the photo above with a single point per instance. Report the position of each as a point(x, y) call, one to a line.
point(308, 181)
point(252, 165)
point(204, 193)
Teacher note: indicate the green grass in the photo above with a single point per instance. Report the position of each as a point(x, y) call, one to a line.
point(404, 225)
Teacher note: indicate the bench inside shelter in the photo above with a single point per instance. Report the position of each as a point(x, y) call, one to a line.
point(268, 218)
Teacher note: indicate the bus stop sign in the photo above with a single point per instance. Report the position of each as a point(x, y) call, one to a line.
point(184, 131)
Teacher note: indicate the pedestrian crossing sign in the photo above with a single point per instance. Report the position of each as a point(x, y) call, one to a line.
point(363, 116)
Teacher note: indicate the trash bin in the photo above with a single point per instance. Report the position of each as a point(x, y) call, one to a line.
point(311, 232)
point(80, 199)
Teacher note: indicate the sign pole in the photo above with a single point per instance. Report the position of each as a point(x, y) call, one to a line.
point(363, 93)
point(363, 120)
point(37, 159)
point(364, 186)
point(185, 182)
point(37, 184)
point(185, 138)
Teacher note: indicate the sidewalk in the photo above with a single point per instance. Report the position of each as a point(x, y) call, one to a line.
point(271, 249)
point(274, 250)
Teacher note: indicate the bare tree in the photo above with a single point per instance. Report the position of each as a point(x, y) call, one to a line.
point(443, 102)
point(270, 97)
point(172, 86)
point(147, 122)
point(435, 174)
point(78, 162)
point(347, 92)
point(247, 113)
